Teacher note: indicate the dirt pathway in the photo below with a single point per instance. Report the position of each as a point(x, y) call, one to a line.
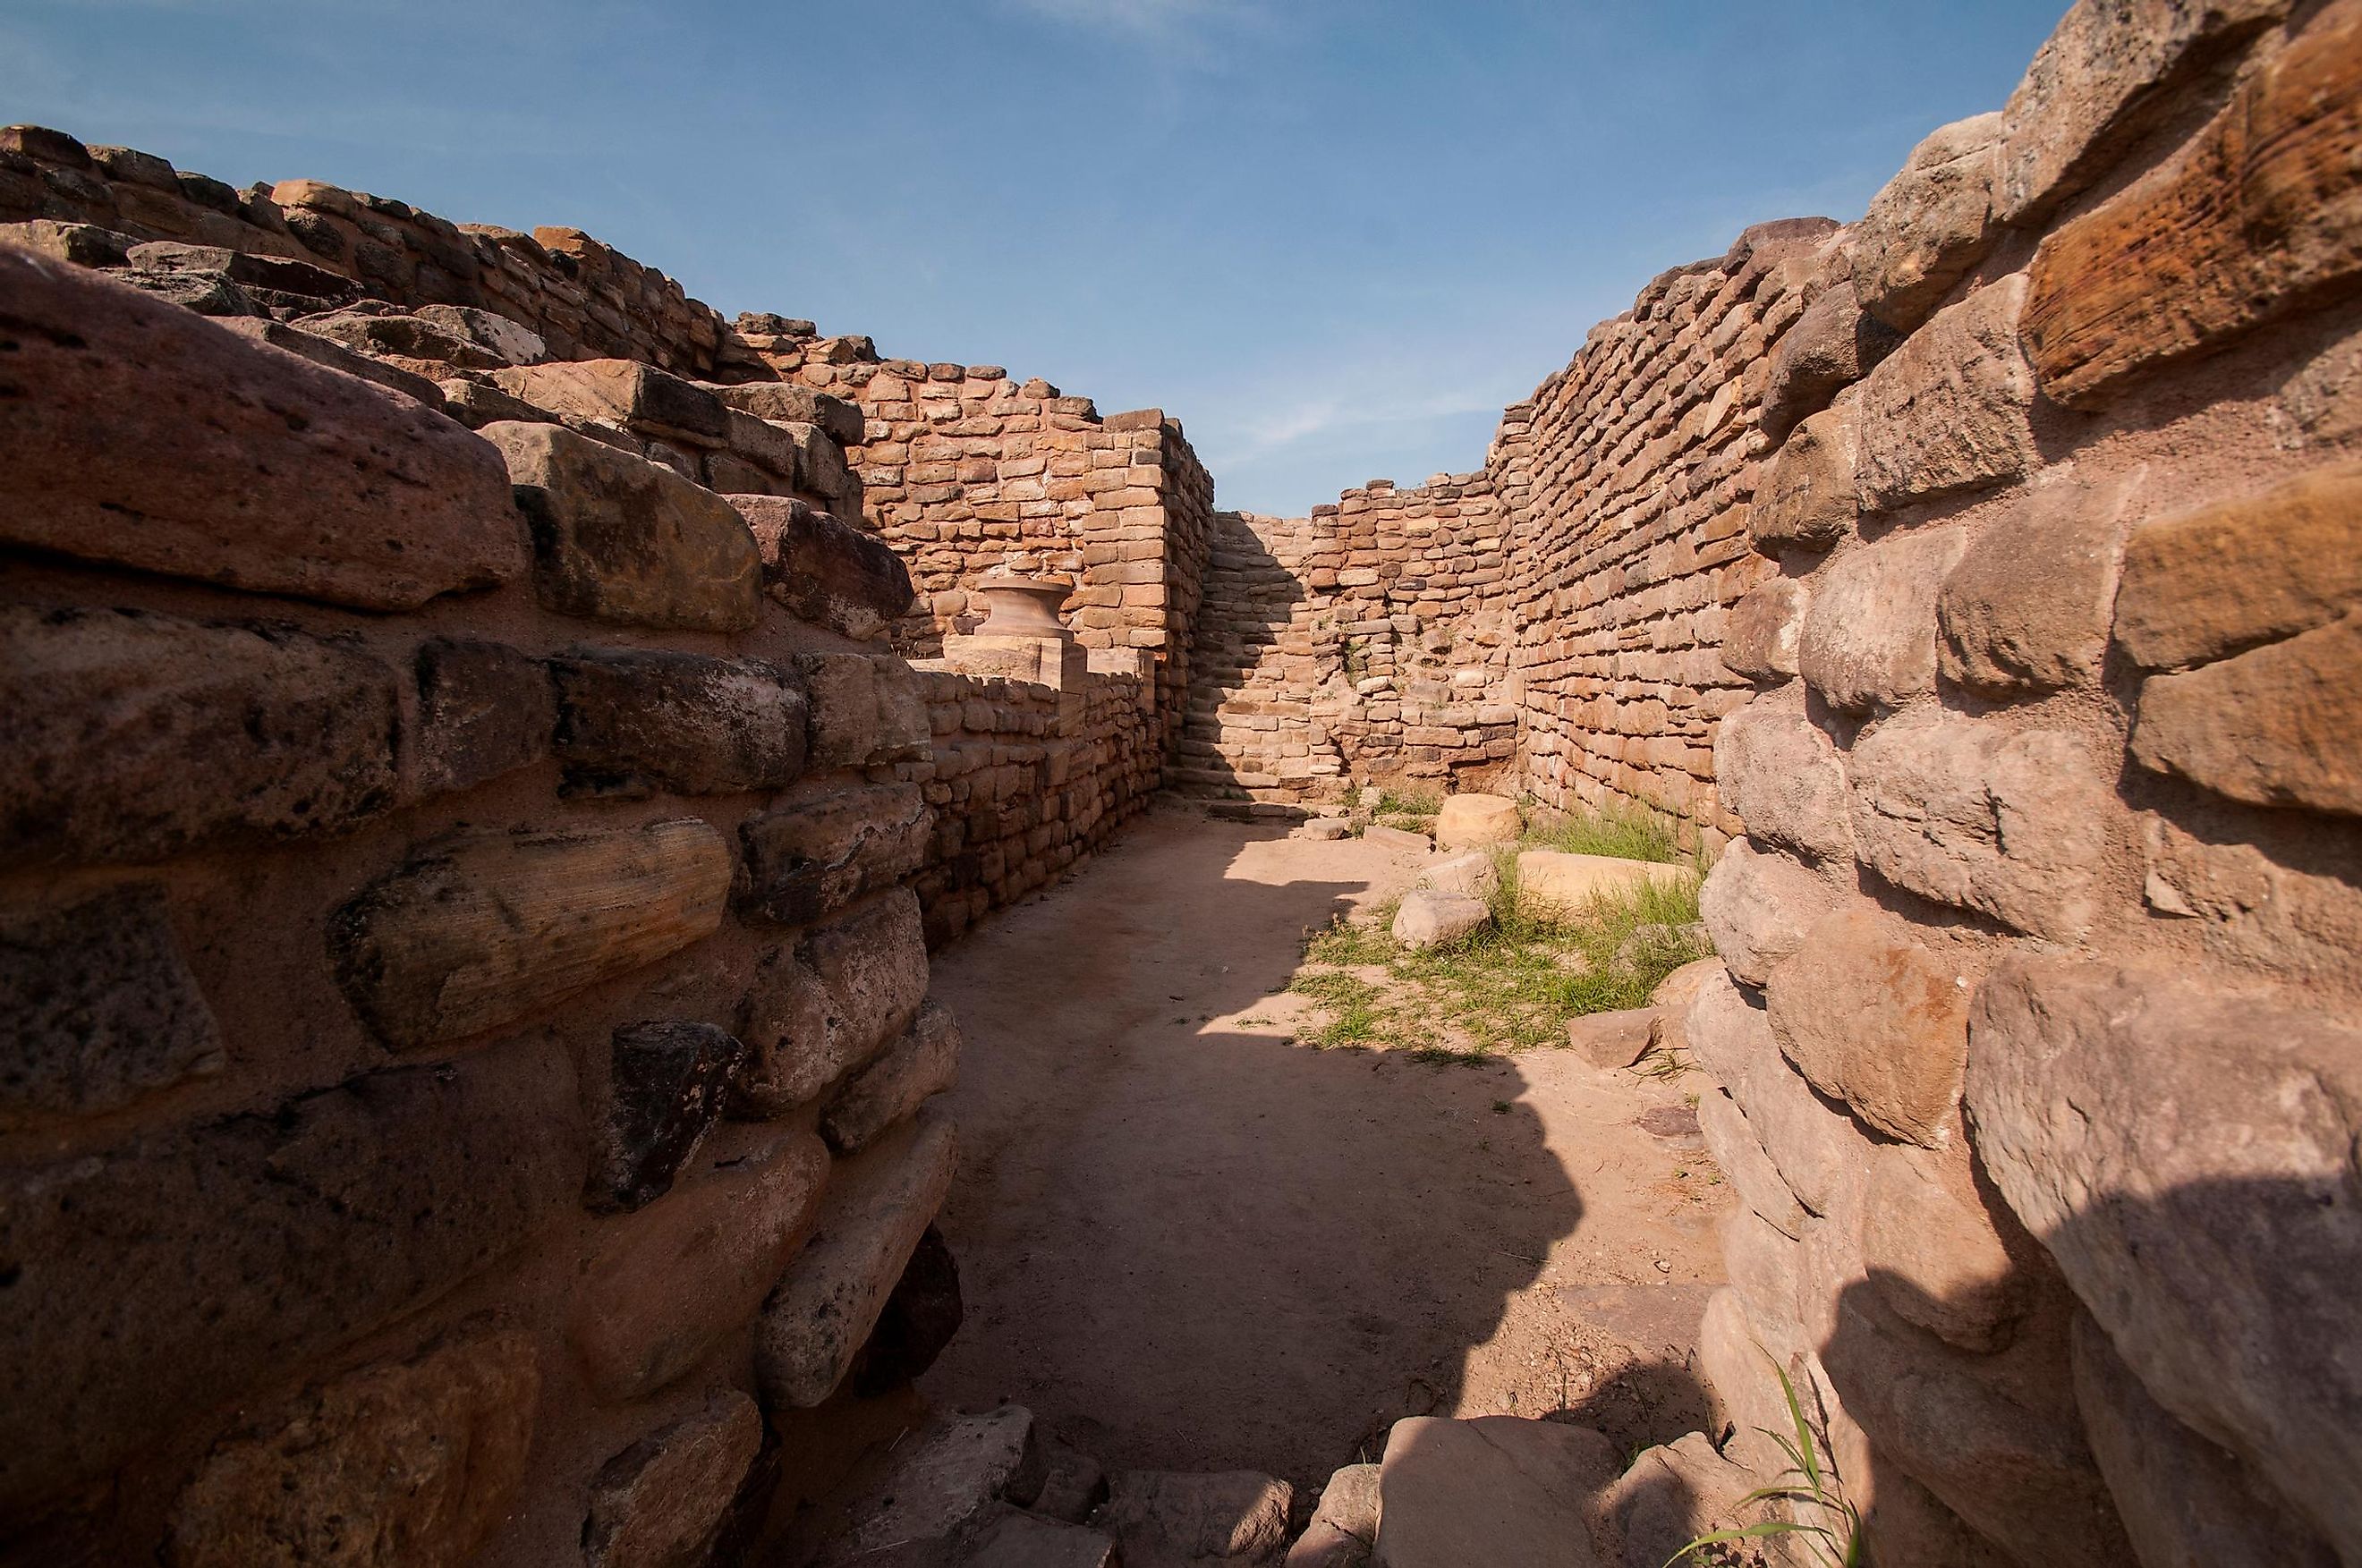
point(1187, 1242)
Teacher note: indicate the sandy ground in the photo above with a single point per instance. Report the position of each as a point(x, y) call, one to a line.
point(1189, 1242)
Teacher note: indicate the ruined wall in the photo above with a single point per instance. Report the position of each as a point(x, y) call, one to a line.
point(466, 1001)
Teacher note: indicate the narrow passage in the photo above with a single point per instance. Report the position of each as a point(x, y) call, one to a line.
point(1188, 1241)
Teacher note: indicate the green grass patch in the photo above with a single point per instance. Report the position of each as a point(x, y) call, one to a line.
point(1627, 833)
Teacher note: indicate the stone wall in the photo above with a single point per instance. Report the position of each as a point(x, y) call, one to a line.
point(467, 1001)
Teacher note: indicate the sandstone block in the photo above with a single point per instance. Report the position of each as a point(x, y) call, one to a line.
point(1019, 1538)
point(2026, 608)
point(402, 335)
point(1833, 344)
point(483, 711)
point(1399, 840)
point(619, 538)
point(2108, 72)
point(2203, 1220)
point(2213, 582)
point(1759, 640)
point(1757, 907)
point(789, 402)
point(1778, 772)
point(662, 1502)
point(380, 1195)
point(1869, 639)
point(1969, 814)
point(826, 846)
point(134, 737)
point(1930, 225)
point(100, 1008)
point(1934, 1253)
point(1670, 1496)
point(1737, 1374)
point(150, 438)
point(1766, 1267)
point(1872, 1018)
point(1809, 497)
point(640, 397)
point(1473, 875)
point(943, 1481)
point(824, 570)
point(665, 1086)
point(1553, 880)
point(1947, 412)
point(878, 1204)
point(474, 933)
point(921, 1315)
point(690, 724)
point(335, 356)
point(1815, 1149)
point(866, 710)
point(1470, 821)
point(401, 1464)
point(1497, 1490)
point(1344, 1525)
point(1614, 1040)
point(806, 1025)
point(679, 1277)
point(1167, 1519)
point(2258, 215)
point(1732, 1145)
point(924, 1061)
point(84, 245)
point(2274, 726)
point(1429, 918)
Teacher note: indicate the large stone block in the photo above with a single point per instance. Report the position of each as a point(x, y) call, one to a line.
point(950, 1476)
point(625, 392)
point(828, 846)
point(1498, 1490)
point(866, 710)
point(617, 538)
point(1732, 1145)
point(691, 724)
point(97, 1008)
point(473, 933)
point(877, 1205)
point(1971, 814)
point(143, 436)
point(666, 1081)
point(1430, 919)
point(1471, 821)
point(1758, 639)
point(1930, 225)
point(405, 1465)
point(923, 1062)
point(2258, 215)
point(2026, 608)
point(161, 1280)
point(1833, 344)
point(807, 1024)
point(1778, 771)
point(2207, 1218)
point(1808, 497)
point(2210, 582)
point(483, 711)
point(133, 736)
point(793, 403)
point(663, 1502)
point(675, 1279)
point(1869, 639)
point(1757, 907)
point(1934, 1251)
point(1874, 1019)
point(1552, 881)
point(1947, 412)
point(2274, 726)
point(825, 570)
point(1815, 1149)
point(2110, 72)
point(921, 1315)
point(335, 356)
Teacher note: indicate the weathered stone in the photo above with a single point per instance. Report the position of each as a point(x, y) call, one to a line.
point(2026, 608)
point(844, 716)
point(2259, 214)
point(1815, 1149)
point(690, 1269)
point(378, 1196)
point(622, 539)
point(1969, 814)
point(511, 341)
point(476, 405)
point(1614, 1040)
point(794, 403)
point(940, 1481)
point(1757, 908)
point(1401, 841)
point(666, 1081)
point(1947, 412)
point(1737, 1374)
point(905, 726)
point(1741, 1159)
point(1933, 1253)
point(1808, 498)
point(1171, 1518)
point(640, 397)
point(2108, 73)
point(84, 245)
point(133, 736)
point(1758, 639)
point(691, 724)
point(824, 570)
point(924, 1061)
point(1018, 1538)
point(1473, 875)
point(1833, 344)
point(2183, 1499)
point(1870, 639)
point(474, 933)
point(1778, 771)
point(921, 1314)
point(97, 1007)
point(2216, 581)
point(405, 1464)
point(145, 437)
point(2274, 726)
point(662, 1502)
point(1874, 1019)
point(1074, 1485)
point(1670, 1496)
point(1766, 1267)
point(402, 335)
point(2207, 1219)
point(1555, 880)
point(1498, 1490)
point(1930, 225)
point(877, 1205)
point(484, 709)
point(1344, 1525)
point(1471, 821)
point(830, 845)
point(1427, 918)
point(335, 356)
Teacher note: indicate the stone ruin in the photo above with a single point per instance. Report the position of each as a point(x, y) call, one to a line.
point(489, 745)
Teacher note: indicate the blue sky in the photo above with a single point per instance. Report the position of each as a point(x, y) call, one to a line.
point(1333, 236)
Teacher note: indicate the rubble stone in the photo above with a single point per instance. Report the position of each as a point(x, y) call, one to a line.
point(662, 1502)
point(1930, 225)
point(1948, 412)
